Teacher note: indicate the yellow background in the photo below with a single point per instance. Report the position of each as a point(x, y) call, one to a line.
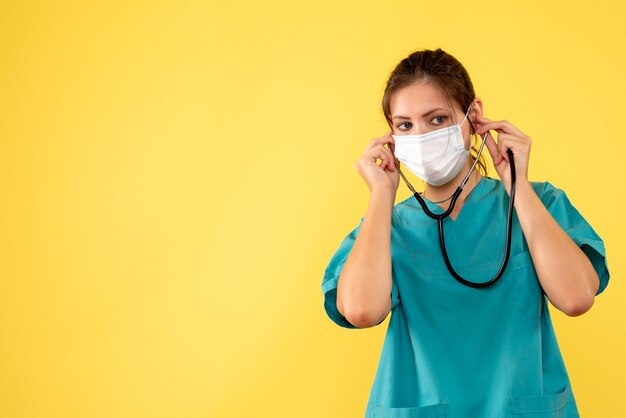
point(175, 176)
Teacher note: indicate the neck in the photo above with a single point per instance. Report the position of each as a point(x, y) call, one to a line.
point(438, 193)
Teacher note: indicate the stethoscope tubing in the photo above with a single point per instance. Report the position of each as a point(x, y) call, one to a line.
point(441, 216)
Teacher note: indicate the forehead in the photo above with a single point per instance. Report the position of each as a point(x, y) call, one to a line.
point(416, 98)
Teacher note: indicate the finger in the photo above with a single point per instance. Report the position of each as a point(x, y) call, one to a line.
point(481, 120)
point(516, 144)
point(394, 162)
point(375, 152)
point(504, 143)
point(391, 148)
point(500, 126)
point(385, 155)
point(391, 145)
point(518, 147)
point(387, 138)
point(512, 140)
point(502, 148)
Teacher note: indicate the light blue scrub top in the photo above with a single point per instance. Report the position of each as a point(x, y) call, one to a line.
point(460, 352)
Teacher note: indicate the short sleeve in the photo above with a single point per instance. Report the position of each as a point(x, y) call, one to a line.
point(578, 229)
point(331, 279)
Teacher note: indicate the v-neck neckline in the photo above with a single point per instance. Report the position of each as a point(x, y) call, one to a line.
point(435, 208)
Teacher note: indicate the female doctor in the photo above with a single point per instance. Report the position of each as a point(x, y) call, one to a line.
point(470, 333)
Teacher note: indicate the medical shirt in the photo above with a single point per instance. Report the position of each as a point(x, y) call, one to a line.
point(460, 352)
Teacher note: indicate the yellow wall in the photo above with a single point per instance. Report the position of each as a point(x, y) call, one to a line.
point(174, 177)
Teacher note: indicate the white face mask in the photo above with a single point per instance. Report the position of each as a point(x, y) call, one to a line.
point(436, 157)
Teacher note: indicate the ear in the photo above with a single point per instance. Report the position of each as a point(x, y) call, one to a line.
point(475, 111)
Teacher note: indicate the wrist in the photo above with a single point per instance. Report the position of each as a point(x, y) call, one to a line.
point(523, 192)
point(383, 193)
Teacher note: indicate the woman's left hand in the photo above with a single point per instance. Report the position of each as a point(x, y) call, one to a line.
point(508, 137)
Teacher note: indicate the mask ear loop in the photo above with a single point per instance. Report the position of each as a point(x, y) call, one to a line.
point(480, 150)
point(441, 216)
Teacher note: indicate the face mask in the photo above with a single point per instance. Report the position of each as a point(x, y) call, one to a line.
point(436, 157)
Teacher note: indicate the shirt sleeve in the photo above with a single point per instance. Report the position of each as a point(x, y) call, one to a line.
point(578, 229)
point(331, 278)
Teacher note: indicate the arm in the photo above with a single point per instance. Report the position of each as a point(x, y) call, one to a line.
point(364, 288)
point(564, 271)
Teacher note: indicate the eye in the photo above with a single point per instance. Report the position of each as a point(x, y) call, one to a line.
point(440, 119)
point(404, 124)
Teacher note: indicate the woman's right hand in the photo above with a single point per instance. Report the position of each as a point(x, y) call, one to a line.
point(384, 175)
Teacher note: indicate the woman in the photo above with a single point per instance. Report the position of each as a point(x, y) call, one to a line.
point(451, 349)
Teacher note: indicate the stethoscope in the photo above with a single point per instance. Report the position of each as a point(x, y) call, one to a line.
point(440, 217)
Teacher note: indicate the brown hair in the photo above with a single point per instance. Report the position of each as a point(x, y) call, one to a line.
point(442, 70)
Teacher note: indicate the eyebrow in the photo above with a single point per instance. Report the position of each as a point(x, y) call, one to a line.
point(425, 114)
